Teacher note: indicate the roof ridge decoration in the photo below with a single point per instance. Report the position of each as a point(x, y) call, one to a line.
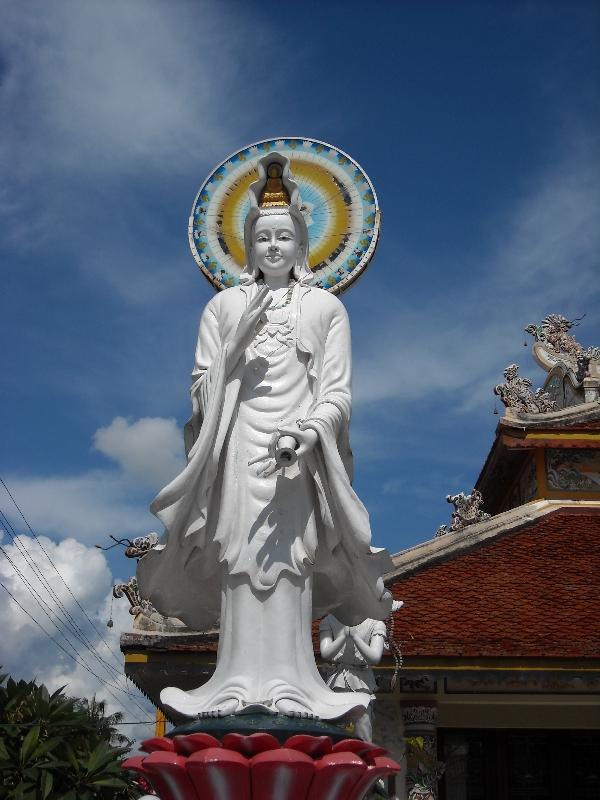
point(467, 511)
point(141, 545)
point(554, 343)
point(146, 618)
point(516, 393)
point(442, 548)
point(131, 591)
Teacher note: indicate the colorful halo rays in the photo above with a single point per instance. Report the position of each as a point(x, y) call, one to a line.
point(338, 201)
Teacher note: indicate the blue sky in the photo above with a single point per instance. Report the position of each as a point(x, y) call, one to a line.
point(478, 126)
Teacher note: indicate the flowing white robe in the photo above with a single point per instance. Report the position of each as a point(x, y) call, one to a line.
point(267, 554)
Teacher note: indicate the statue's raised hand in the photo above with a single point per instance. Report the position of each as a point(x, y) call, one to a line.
point(246, 328)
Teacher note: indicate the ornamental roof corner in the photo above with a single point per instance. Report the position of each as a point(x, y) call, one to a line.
point(467, 511)
point(573, 372)
point(554, 343)
point(516, 393)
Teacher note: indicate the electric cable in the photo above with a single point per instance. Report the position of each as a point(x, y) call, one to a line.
point(33, 533)
point(58, 644)
point(77, 631)
point(47, 611)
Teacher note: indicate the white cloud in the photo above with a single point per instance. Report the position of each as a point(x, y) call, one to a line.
point(91, 505)
point(149, 451)
point(554, 238)
point(29, 653)
point(393, 486)
point(84, 569)
point(100, 86)
point(121, 100)
point(87, 507)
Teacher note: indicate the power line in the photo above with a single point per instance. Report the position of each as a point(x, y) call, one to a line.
point(76, 630)
point(33, 533)
point(41, 602)
point(31, 724)
point(82, 609)
point(78, 658)
point(58, 644)
point(47, 611)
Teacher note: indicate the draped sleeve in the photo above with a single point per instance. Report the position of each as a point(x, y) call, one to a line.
point(333, 401)
point(205, 374)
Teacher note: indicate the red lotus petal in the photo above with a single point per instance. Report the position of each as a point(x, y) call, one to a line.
point(169, 777)
point(296, 771)
point(250, 745)
point(219, 774)
point(382, 767)
point(283, 774)
point(313, 746)
point(335, 776)
point(186, 745)
point(158, 743)
point(366, 750)
point(135, 763)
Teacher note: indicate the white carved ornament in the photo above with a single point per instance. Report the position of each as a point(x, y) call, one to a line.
point(516, 393)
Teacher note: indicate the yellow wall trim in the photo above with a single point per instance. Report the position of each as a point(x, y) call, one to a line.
point(485, 668)
point(592, 437)
point(160, 727)
point(136, 658)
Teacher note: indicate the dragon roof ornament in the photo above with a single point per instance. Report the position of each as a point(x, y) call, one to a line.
point(467, 511)
point(141, 545)
point(131, 591)
point(554, 343)
point(516, 393)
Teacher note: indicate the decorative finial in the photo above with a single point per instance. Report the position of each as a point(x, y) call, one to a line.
point(553, 335)
point(516, 393)
point(274, 193)
point(110, 622)
point(467, 511)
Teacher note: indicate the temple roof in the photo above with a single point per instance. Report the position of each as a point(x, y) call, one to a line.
point(517, 585)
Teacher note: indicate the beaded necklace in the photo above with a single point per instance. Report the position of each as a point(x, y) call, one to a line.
point(287, 297)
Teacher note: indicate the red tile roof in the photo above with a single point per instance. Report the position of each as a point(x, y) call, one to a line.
point(534, 592)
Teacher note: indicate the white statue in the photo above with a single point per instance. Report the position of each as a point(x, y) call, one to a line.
point(263, 526)
point(352, 651)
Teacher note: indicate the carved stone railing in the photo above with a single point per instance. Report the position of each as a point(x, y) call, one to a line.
point(467, 511)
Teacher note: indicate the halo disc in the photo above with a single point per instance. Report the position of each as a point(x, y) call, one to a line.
point(338, 202)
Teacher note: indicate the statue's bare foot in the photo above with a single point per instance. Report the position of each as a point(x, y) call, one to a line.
point(223, 710)
point(295, 710)
point(300, 714)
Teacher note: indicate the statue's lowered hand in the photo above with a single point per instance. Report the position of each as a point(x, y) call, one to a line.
point(306, 439)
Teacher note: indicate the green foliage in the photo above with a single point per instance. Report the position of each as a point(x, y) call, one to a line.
point(423, 769)
point(53, 746)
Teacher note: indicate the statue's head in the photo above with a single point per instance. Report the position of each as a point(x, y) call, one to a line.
point(275, 232)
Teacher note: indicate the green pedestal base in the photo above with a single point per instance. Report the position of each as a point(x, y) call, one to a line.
point(278, 725)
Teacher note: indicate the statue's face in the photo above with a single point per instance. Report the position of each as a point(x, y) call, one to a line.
point(275, 244)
